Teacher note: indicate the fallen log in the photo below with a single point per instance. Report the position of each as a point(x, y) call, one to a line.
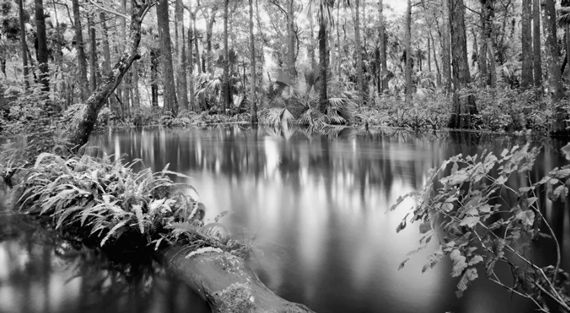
point(225, 281)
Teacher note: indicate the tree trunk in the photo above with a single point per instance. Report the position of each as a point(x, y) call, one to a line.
point(81, 58)
point(23, 44)
point(409, 53)
point(526, 41)
point(42, 52)
point(358, 51)
point(226, 78)
point(291, 39)
point(226, 282)
point(181, 70)
point(446, 47)
point(463, 103)
point(169, 91)
point(323, 63)
point(311, 46)
point(80, 131)
point(191, 39)
point(552, 61)
point(92, 54)
point(252, 98)
point(154, 64)
point(537, 57)
point(382, 47)
point(482, 60)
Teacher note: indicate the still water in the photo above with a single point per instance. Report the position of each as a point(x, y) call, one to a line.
point(315, 208)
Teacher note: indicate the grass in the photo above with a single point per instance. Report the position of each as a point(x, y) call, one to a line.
point(109, 204)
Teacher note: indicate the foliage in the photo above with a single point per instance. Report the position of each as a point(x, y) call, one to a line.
point(477, 230)
point(110, 204)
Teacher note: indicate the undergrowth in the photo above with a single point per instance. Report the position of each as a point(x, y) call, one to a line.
point(107, 203)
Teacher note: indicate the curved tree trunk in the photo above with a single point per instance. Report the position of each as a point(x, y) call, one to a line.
point(80, 131)
point(226, 283)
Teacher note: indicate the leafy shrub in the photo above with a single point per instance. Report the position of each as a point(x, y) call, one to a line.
point(476, 230)
point(108, 203)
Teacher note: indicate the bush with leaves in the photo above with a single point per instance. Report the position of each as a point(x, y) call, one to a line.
point(107, 203)
point(477, 230)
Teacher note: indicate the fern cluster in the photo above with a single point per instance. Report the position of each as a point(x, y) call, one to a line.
point(107, 203)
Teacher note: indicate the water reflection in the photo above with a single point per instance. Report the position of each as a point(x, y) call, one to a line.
point(315, 206)
point(40, 272)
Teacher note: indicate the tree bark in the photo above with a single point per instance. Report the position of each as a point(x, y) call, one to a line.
point(252, 95)
point(23, 44)
point(191, 38)
point(226, 78)
point(42, 52)
point(80, 131)
point(154, 63)
point(483, 47)
point(80, 46)
point(226, 282)
point(169, 91)
point(92, 54)
point(181, 70)
point(382, 47)
point(446, 47)
point(323, 63)
point(464, 106)
point(537, 57)
point(359, 74)
point(291, 39)
point(409, 53)
point(526, 41)
point(552, 61)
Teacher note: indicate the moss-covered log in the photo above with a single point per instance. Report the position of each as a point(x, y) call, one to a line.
point(225, 282)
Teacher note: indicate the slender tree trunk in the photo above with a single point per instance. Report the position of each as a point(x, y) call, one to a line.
point(169, 91)
point(435, 60)
point(181, 70)
point(291, 39)
point(252, 98)
point(464, 106)
point(359, 74)
point(92, 54)
point(42, 52)
point(537, 57)
point(80, 131)
point(482, 60)
point(429, 53)
point(526, 41)
point(311, 45)
point(409, 53)
point(323, 60)
point(154, 63)
point(23, 44)
point(226, 78)
point(197, 44)
point(446, 47)
point(81, 58)
point(191, 39)
point(209, 32)
point(382, 47)
point(552, 61)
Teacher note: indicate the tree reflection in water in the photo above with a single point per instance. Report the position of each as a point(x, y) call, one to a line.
point(40, 272)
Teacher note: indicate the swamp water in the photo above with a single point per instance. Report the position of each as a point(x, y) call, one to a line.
point(314, 207)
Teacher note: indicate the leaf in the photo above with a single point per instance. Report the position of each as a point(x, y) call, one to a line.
point(113, 230)
point(526, 217)
point(459, 264)
point(403, 264)
point(402, 224)
point(140, 218)
point(469, 276)
point(475, 260)
point(470, 221)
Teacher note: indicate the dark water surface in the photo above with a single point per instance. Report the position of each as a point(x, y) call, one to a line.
point(314, 207)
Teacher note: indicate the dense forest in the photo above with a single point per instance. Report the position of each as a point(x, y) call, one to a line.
point(470, 64)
